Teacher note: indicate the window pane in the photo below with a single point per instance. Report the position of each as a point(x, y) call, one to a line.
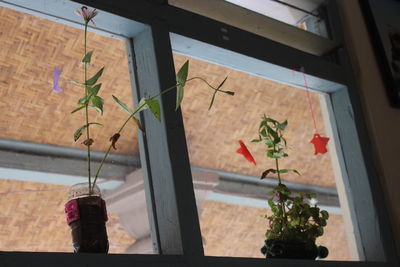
point(230, 196)
point(304, 14)
point(39, 158)
point(300, 24)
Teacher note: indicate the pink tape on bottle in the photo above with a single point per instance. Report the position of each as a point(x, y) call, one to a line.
point(72, 211)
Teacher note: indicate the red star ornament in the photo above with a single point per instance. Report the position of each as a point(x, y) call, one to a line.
point(319, 143)
point(245, 152)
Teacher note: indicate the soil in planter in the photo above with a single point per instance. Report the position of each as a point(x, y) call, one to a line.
point(89, 233)
point(274, 248)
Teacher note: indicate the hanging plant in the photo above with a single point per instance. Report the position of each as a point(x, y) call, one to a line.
point(85, 210)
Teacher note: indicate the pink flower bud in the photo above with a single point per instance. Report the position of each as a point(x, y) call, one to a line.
point(86, 13)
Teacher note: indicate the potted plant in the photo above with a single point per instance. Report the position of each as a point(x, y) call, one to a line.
point(86, 210)
point(296, 220)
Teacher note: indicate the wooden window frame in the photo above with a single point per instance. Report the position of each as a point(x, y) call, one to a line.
point(168, 184)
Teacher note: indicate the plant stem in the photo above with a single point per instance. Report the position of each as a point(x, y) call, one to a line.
point(136, 110)
point(209, 85)
point(87, 114)
point(277, 170)
point(281, 201)
point(123, 126)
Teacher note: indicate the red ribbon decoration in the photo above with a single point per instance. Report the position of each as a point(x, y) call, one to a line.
point(245, 152)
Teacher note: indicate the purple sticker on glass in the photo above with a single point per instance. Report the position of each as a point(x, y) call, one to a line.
point(56, 87)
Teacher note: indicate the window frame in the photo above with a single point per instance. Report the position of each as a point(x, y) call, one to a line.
point(175, 226)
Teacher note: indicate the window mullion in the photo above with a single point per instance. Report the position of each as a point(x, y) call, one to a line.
point(164, 156)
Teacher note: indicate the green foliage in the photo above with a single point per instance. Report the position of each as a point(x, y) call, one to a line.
point(216, 91)
point(142, 105)
point(181, 78)
point(94, 79)
point(270, 132)
point(292, 219)
point(88, 57)
point(154, 107)
point(122, 105)
point(97, 103)
point(78, 133)
point(91, 99)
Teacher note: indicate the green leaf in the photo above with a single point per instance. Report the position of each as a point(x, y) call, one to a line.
point(277, 155)
point(298, 200)
point(325, 214)
point(84, 100)
point(77, 109)
point(97, 103)
point(268, 142)
point(94, 79)
point(94, 90)
point(272, 205)
point(142, 105)
point(127, 110)
point(222, 83)
point(272, 133)
point(122, 105)
point(255, 140)
point(78, 133)
point(76, 83)
point(212, 100)
point(320, 231)
point(215, 93)
point(267, 119)
point(289, 170)
point(263, 132)
point(266, 172)
point(270, 153)
point(87, 57)
point(282, 126)
point(154, 107)
point(181, 78)
point(311, 195)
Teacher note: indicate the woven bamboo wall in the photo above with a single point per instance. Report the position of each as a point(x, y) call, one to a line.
point(32, 219)
point(31, 48)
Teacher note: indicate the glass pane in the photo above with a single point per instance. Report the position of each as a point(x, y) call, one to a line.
point(39, 158)
point(300, 24)
point(304, 14)
point(230, 196)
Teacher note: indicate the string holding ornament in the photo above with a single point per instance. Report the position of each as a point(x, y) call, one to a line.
point(317, 140)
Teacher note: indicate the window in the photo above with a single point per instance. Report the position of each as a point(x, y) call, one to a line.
point(231, 198)
point(163, 151)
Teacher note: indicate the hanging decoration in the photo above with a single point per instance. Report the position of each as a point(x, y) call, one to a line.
point(245, 152)
point(318, 141)
point(56, 78)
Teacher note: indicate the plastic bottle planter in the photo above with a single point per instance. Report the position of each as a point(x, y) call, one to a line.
point(274, 248)
point(87, 215)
